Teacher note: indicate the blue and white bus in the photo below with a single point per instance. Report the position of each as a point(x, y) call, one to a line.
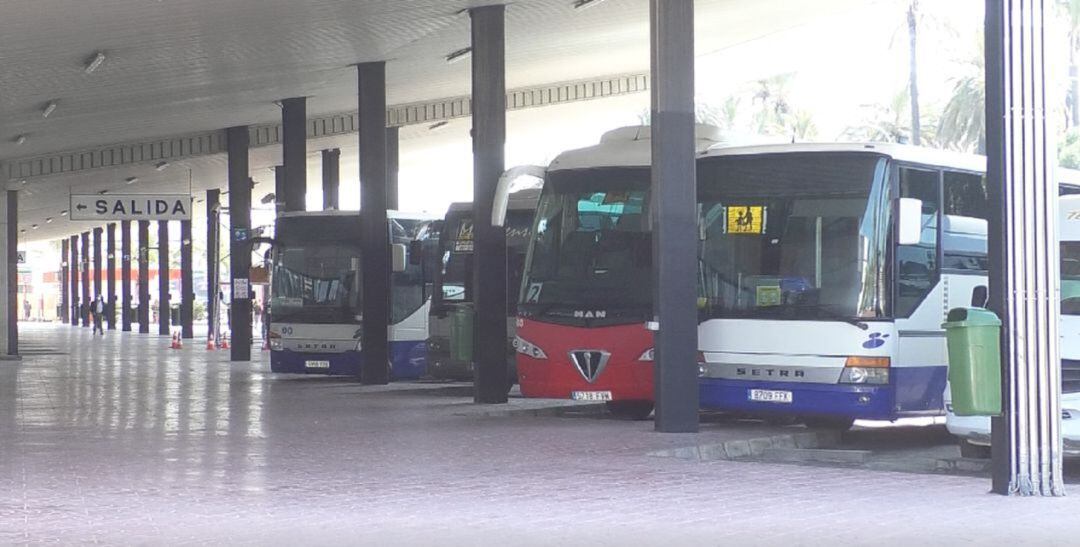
point(316, 299)
point(826, 271)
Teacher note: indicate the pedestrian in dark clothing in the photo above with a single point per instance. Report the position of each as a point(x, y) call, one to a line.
point(98, 311)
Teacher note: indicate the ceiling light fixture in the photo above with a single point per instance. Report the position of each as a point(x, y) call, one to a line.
point(459, 55)
point(63, 213)
point(33, 226)
point(94, 62)
point(438, 125)
point(132, 180)
point(49, 109)
point(161, 166)
point(582, 4)
point(23, 182)
point(20, 140)
point(48, 220)
point(103, 192)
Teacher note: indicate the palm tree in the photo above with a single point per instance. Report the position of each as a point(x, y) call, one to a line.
point(963, 121)
point(773, 106)
point(884, 124)
point(913, 73)
point(1071, 9)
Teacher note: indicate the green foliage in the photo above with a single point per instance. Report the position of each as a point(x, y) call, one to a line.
point(1069, 149)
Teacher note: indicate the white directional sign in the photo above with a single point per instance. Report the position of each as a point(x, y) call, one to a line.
point(131, 207)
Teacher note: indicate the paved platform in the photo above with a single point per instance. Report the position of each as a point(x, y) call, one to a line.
point(122, 441)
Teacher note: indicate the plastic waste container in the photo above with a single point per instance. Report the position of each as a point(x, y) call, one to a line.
point(461, 334)
point(973, 338)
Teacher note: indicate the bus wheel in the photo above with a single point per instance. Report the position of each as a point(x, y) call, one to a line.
point(632, 410)
point(832, 423)
point(973, 451)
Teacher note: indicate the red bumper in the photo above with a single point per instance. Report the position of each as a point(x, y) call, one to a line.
point(623, 373)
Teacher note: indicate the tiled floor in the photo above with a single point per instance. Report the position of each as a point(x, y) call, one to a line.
point(122, 441)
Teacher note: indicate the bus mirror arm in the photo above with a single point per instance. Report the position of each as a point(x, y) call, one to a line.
point(502, 191)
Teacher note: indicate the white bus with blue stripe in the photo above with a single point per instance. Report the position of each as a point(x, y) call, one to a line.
point(316, 300)
point(809, 305)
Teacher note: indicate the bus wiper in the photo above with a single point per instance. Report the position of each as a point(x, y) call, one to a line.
point(825, 313)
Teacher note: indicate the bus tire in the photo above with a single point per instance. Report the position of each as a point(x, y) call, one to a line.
point(831, 423)
point(630, 410)
point(973, 451)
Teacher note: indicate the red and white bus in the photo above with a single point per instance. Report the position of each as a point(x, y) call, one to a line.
point(586, 294)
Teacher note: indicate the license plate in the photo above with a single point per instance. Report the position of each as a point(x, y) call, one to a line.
point(591, 395)
point(770, 396)
point(317, 364)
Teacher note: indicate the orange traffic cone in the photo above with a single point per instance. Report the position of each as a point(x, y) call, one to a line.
point(210, 346)
point(224, 342)
point(172, 342)
point(179, 340)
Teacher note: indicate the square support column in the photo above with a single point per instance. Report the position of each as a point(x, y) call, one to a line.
point(65, 283)
point(98, 270)
point(110, 276)
point(144, 276)
point(1024, 250)
point(213, 256)
point(164, 298)
point(492, 378)
point(393, 135)
point(125, 276)
point(375, 245)
point(331, 179)
point(9, 281)
point(84, 310)
point(239, 247)
point(294, 152)
point(73, 267)
point(187, 283)
point(674, 216)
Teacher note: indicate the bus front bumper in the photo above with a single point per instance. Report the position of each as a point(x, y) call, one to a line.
point(864, 402)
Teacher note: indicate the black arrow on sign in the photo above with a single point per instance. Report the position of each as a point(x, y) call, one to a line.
point(80, 207)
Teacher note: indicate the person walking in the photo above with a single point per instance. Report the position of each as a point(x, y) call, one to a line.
point(98, 310)
point(26, 309)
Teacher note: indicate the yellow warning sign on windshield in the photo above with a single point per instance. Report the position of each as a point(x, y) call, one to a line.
point(745, 219)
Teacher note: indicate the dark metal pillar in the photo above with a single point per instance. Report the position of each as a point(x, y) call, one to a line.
point(85, 309)
point(1024, 275)
point(279, 190)
point(187, 283)
point(144, 276)
point(239, 248)
point(164, 298)
point(110, 277)
point(65, 287)
point(331, 178)
point(294, 152)
point(12, 272)
point(125, 276)
point(73, 267)
point(213, 250)
point(392, 163)
point(375, 246)
point(97, 263)
point(674, 216)
point(489, 142)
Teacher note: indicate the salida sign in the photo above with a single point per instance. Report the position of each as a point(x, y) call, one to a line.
point(130, 207)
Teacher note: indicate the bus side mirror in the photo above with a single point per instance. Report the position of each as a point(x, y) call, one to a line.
point(980, 296)
point(400, 254)
point(909, 221)
point(416, 252)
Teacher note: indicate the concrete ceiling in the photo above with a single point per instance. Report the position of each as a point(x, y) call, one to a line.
point(188, 66)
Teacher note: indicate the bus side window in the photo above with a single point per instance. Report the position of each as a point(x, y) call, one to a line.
point(918, 269)
point(967, 209)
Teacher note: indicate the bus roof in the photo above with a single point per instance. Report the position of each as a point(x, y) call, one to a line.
point(625, 147)
point(524, 199)
point(899, 152)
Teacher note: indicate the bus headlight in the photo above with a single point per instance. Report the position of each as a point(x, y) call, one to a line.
point(865, 370)
point(275, 342)
point(528, 349)
point(649, 355)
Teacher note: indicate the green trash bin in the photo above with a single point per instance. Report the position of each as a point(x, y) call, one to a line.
point(973, 336)
point(461, 334)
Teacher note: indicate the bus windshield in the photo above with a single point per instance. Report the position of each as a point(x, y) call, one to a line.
point(318, 283)
point(457, 248)
point(591, 248)
point(793, 236)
